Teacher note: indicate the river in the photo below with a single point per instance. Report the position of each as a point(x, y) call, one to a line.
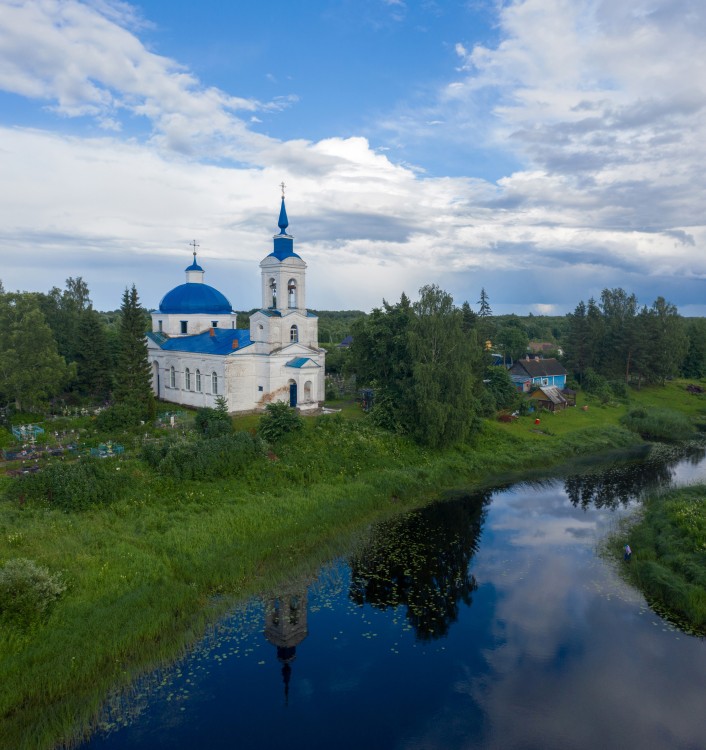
point(488, 620)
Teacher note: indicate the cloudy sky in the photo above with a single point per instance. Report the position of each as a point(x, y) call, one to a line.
point(541, 149)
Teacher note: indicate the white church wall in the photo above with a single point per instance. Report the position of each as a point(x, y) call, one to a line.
point(196, 323)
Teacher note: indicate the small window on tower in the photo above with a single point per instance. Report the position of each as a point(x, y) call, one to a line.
point(184, 326)
point(214, 324)
point(160, 326)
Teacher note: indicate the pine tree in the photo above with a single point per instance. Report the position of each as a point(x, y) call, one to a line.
point(486, 327)
point(484, 305)
point(133, 382)
point(93, 358)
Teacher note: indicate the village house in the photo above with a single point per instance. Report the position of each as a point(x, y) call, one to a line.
point(528, 373)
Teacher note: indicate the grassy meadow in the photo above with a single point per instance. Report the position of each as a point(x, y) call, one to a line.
point(146, 573)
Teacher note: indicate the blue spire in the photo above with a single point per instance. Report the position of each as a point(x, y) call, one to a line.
point(283, 222)
point(283, 242)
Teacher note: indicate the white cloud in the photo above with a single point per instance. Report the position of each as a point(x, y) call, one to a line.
point(603, 105)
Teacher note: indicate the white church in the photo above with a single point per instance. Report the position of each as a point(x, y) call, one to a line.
point(198, 353)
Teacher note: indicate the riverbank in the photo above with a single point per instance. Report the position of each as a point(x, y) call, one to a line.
point(145, 575)
point(668, 561)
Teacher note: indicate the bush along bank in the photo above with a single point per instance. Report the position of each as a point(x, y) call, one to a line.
point(668, 561)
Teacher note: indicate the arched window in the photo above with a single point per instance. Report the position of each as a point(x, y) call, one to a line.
point(198, 380)
point(292, 293)
point(187, 379)
point(307, 391)
point(273, 292)
point(214, 384)
point(294, 334)
point(172, 377)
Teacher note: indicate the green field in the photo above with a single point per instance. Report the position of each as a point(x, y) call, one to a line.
point(146, 574)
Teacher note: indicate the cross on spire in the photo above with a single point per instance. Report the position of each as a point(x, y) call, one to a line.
point(283, 186)
point(195, 245)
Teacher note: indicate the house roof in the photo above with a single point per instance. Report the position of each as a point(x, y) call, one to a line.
point(537, 368)
point(221, 342)
point(552, 394)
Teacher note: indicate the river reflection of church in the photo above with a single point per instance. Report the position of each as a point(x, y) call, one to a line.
point(286, 627)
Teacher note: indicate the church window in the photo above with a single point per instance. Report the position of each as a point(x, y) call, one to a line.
point(184, 326)
point(172, 377)
point(273, 292)
point(260, 388)
point(214, 384)
point(198, 380)
point(294, 334)
point(214, 324)
point(292, 292)
point(187, 379)
point(160, 326)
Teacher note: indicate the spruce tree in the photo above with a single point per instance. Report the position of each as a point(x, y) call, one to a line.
point(93, 358)
point(133, 381)
point(486, 328)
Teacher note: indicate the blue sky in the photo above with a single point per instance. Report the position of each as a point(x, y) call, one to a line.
point(541, 149)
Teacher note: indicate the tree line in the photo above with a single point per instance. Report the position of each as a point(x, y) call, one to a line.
point(57, 346)
point(428, 361)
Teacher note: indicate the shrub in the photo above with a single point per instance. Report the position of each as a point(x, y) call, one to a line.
point(73, 486)
point(27, 591)
point(499, 383)
point(120, 417)
point(278, 420)
point(597, 386)
point(204, 459)
point(658, 424)
point(487, 404)
point(213, 422)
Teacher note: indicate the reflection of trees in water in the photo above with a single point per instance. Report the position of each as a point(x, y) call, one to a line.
point(421, 561)
point(621, 483)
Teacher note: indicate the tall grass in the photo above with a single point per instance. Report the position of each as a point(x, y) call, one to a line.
point(669, 554)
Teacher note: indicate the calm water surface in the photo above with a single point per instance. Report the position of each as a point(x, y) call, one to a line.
point(486, 621)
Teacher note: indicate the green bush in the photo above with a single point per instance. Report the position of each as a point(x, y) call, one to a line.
point(206, 458)
point(27, 591)
point(658, 424)
point(213, 422)
point(499, 383)
point(487, 404)
point(278, 420)
point(120, 417)
point(73, 486)
point(597, 386)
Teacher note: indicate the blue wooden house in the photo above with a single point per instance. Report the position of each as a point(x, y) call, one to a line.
point(528, 374)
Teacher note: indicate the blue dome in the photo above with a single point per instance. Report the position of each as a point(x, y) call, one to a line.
point(195, 298)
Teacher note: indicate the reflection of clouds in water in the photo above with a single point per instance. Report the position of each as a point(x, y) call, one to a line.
point(545, 517)
point(578, 662)
point(576, 667)
point(603, 693)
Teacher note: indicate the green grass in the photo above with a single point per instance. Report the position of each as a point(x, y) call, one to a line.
point(669, 555)
point(146, 574)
